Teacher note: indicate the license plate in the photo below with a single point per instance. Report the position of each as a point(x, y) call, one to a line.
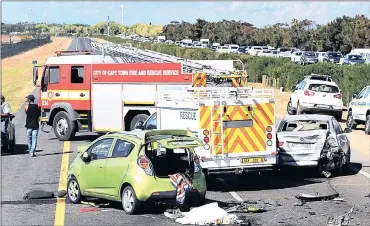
point(253, 160)
point(322, 106)
point(300, 145)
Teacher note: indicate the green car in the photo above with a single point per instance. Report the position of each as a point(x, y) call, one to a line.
point(134, 167)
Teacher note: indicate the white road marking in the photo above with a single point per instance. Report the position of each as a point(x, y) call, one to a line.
point(366, 174)
point(236, 196)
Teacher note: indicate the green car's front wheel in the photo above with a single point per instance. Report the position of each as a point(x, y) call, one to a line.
point(130, 203)
point(73, 191)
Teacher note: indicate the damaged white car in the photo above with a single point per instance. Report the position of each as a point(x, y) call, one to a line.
point(313, 141)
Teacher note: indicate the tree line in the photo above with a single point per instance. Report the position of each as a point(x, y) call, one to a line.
point(342, 34)
point(80, 30)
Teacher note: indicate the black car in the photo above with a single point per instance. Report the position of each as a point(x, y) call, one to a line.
point(333, 57)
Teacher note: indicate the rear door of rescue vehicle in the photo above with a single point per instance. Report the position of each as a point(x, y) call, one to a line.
point(248, 125)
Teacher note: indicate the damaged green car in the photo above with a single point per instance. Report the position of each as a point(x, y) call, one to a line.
point(135, 167)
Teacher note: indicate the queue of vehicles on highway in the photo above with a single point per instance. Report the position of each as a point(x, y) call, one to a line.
point(303, 57)
point(165, 134)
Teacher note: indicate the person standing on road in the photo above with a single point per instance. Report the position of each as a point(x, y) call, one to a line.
point(33, 113)
point(5, 112)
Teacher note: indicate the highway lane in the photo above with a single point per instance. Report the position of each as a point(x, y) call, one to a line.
point(21, 173)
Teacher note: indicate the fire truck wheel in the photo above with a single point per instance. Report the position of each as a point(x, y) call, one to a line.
point(63, 126)
point(138, 118)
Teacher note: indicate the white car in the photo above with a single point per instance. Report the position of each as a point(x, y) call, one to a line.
point(253, 51)
point(313, 141)
point(222, 49)
point(359, 110)
point(232, 48)
point(316, 96)
point(295, 57)
point(320, 56)
point(284, 52)
point(264, 53)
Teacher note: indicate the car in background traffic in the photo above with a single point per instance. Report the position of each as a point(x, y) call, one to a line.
point(231, 48)
point(359, 110)
point(333, 57)
point(320, 56)
point(308, 57)
point(242, 49)
point(284, 52)
point(222, 49)
point(316, 96)
point(352, 59)
point(134, 167)
point(296, 56)
point(254, 50)
point(313, 141)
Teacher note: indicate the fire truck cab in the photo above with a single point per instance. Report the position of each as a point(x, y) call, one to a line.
point(97, 93)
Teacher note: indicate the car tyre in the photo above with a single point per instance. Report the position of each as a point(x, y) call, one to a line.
point(63, 126)
point(138, 118)
point(338, 116)
point(299, 109)
point(350, 122)
point(130, 203)
point(367, 125)
point(290, 108)
point(11, 146)
point(74, 191)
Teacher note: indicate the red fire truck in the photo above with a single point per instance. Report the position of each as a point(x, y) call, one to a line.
point(98, 94)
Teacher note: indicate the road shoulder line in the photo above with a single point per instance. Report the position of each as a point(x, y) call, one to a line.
point(61, 202)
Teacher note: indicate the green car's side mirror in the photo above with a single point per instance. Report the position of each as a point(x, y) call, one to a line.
point(86, 157)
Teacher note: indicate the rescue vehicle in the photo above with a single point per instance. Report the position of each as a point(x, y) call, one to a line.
point(110, 92)
point(237, 125)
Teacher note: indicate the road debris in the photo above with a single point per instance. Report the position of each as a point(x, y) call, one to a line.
point(38, 194)
point(97, 205)
point(312, 213)
point(316, 197)
point(88, 209)
point(367, 196)
point(340, 220)
point(203, 215)
point(62, 193)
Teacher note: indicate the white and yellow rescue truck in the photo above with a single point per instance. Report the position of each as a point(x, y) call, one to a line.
point(237, 125)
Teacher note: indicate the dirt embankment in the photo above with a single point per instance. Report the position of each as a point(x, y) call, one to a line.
point(16, 71)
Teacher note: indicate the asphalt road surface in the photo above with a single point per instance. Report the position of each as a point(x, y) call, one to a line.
point(273, 191)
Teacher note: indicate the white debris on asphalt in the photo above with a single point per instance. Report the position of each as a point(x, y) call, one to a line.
point(206, 215)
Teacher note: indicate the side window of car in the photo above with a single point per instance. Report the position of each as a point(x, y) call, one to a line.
point(152, 122)
point(362, 93)
point(303, 84)
point(122, 148)
point(367, 93)
point(101, 148)
point(336, 126)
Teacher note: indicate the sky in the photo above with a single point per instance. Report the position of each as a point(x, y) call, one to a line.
point(257, 13)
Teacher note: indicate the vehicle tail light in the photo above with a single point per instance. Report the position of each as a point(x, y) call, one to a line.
point(309, 93)
point(269, 136)
point(205, 132)
point(281, 143)
point(144, 163)
point(269, 129)
point(339, 96)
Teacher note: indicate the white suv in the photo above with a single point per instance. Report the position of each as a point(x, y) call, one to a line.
point(316, 96)
point(359, 110)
